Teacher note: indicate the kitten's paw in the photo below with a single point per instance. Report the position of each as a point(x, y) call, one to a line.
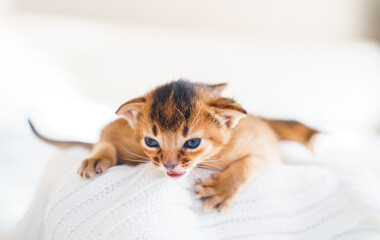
point(219, 191)
point(92, 166)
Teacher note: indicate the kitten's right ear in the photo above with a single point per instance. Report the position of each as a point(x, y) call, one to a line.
point(130, 110)
point(218, 88)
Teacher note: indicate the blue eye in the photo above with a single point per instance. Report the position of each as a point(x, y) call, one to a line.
point(151, 142)
point(192, 143)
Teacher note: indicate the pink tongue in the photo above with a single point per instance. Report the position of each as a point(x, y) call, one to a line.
point(174, 174)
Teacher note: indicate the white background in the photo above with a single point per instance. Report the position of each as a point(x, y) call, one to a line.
point(68, 65)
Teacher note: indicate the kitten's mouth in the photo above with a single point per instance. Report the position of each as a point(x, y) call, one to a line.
point(175, 174)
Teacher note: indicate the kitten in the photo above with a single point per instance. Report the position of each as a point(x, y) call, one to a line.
point(182, 125)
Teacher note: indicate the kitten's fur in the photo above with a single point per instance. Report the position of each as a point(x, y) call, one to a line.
point(239, 144)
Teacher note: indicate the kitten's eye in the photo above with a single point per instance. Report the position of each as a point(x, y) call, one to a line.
point(192, 143)
point(151, 142)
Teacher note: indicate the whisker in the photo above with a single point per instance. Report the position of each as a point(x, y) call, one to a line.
point(135, 160)
point(138, 114)
point(213, 160)
point(192, 176)
point(180, 113)
point(209, 161)
point(196, 174)
point(196, 123)
point(196, 118)
point(129, 160)
point(202, 171)
point(134, 154)
point(207, 168)
point(210, 165)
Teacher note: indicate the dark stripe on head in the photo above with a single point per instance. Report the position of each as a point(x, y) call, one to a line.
point(154, 129)
point(173, 104)
point(185, 131)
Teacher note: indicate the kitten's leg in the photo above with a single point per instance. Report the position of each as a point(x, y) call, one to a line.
point(104, 156)
point(222, 188)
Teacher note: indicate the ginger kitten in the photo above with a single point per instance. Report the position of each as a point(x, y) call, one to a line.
point(182, 125)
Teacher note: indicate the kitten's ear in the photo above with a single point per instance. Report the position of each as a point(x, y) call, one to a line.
point(129, 110)
point(218, 88)
point(227, 111)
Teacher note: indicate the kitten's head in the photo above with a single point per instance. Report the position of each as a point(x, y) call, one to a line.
point(182, 123)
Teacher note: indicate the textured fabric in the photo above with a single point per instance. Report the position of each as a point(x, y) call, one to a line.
point(284, 202)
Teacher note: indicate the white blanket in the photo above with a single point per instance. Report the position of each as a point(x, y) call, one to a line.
point(284, 202)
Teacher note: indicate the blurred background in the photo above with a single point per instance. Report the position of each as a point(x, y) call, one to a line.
point(68, 65)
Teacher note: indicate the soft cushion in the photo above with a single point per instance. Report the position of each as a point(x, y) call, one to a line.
point(284, 202)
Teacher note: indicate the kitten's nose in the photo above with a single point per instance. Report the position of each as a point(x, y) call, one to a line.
point(170, 161)
point(170, 166)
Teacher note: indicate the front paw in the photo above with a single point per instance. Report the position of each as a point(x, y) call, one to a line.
point(219, 191)
point(92, 166)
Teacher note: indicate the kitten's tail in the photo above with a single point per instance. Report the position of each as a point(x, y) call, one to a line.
point(294, 131)
point(57, 143)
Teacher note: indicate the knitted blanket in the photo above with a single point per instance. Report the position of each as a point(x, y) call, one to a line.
point(284, 202)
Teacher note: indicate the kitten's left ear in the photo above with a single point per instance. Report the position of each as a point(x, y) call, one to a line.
point(227, 111)
point(129, 110)
point(218, 88)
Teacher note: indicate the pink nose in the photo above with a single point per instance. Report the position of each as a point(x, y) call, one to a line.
point(170, 166)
